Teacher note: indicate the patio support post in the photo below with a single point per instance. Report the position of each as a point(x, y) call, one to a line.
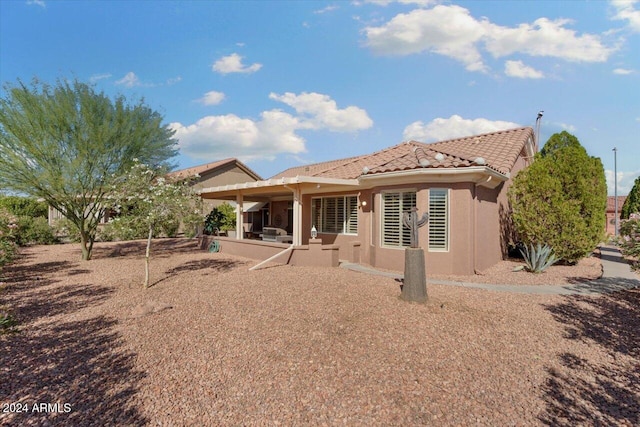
point(239, 218)
point(297, 218)
point(297, 215)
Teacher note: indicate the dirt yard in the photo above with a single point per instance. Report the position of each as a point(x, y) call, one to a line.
point(211, 343)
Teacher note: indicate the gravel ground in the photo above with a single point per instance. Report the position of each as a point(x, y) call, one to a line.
point(211, 343)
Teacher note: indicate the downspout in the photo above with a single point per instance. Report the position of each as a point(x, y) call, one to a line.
point(289, 249)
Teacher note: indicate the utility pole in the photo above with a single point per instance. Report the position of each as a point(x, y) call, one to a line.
point(615, 189)
point(538, 120)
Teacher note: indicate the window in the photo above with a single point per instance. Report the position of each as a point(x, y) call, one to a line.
point(393, 206)
point(439, 219)
point(337, 215)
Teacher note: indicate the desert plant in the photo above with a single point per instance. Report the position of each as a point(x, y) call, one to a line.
point(538, 258)
point(629, 239)
point(7, 322)
point(34, 231)
point(8, 225)
point(24, 206)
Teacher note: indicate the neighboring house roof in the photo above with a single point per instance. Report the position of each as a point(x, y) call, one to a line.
point(497, 150)
point(611, 203)
point(203, 169)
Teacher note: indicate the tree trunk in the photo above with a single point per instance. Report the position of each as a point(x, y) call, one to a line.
point(86, 245)
point(146, 261)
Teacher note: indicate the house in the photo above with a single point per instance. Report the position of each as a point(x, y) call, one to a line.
point(222, 172)
point(610, 226)
point(356, 204)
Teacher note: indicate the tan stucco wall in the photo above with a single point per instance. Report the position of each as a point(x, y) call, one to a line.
point(459, 257)
point(229, 174)
point(314, 254)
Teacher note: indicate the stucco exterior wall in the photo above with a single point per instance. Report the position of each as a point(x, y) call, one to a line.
point(226, 175)
point(458, 259)
point(488, 236)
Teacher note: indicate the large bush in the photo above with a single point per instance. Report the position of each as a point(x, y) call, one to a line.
point(629, 240)
point(24, 206)
point(8, 225)
point(632, 202)
point(560, 199)
point(34, 231)
point(221, 218)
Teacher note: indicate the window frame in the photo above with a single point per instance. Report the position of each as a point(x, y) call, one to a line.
point(383, 215)
point(347, 222)
point(441, 222)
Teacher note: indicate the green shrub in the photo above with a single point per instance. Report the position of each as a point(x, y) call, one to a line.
point(169, 228)
point(128, 228)
point(632, 202)
point(34, 231)
point(560, 199)
point(8, 225)
point(221, 218)
point(63, 228)
point(629, 238)
point(8, 323)
point(24, 206)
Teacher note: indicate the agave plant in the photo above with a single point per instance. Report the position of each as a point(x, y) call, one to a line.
point(537, 259)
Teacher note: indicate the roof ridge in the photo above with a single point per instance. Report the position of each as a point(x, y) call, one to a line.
point(478, 135)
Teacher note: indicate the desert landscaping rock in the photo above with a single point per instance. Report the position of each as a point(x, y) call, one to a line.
point(302, 346)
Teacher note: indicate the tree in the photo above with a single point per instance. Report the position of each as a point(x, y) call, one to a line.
point(632, 202)
point(144, 197)
point(65, 144)
point(560, 200)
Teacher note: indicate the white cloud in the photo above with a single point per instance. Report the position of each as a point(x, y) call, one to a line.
point(626, 11)
point(622, 71)
point(246, 139)
point(568, 127)
point(447, 30)
point(212, 98)
point(96, 77)
point(129, 80)
point(518, 69)
point(450, 30)
point(274, 133)
point(233, 64)
point(174, 80)
point(388, 2)
point(625, 182)
point(545, 37)
point(40, 3)
point(454, 127)
point(329, 8)
point(320, 111)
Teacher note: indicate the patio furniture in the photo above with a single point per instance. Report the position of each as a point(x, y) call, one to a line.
point(275, 234)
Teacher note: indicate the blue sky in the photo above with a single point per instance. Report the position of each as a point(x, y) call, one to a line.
point(283, 83)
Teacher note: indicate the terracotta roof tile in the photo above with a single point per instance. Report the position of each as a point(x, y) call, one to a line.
point(497, 150)
point(611, 203)
point(201, 169)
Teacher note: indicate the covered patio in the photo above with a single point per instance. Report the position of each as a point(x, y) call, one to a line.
point(273, 222)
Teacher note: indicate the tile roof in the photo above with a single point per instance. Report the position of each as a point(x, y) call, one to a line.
point(611, 203)
point(496, 150)
point(201, 169)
